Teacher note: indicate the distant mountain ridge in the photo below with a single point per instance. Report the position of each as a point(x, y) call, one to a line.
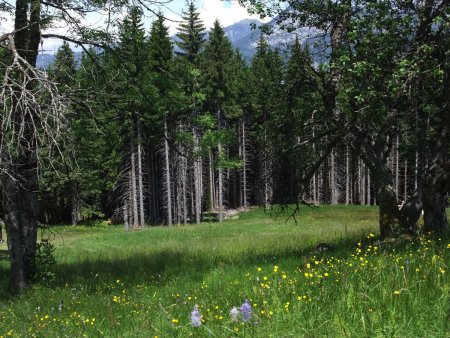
point(243, 35)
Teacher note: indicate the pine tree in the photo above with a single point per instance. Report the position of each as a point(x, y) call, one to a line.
point(267, 77)
point(161, 55)
point(135, 91)
point(191, 36)
point(217, 60)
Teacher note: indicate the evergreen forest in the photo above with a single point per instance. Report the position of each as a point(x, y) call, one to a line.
point(145, 130)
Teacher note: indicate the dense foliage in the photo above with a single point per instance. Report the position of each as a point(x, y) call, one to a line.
point(358, 114)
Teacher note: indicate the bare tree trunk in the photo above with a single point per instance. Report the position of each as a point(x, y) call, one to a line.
point(140, 178)
point(347, 176)
point(220, 179)
point(197, 178)
point(244, 166)
point(397, 169)
point(362, 182)
point(369, 201)
point(334, 196)
point(74, 202)
point(126, 221)
point(405, 191)
point(134, 194)
point(183, 178)
point(167, 175)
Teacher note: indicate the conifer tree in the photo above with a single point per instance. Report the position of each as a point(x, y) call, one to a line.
point(217, 61)
point(161, 53)
point(267, 77)
point(191, 36)
point(136, 92)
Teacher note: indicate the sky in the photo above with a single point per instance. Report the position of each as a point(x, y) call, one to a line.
point(227, 12)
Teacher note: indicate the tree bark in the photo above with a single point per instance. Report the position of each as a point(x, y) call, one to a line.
point(387, 199)
point(167, 175)
point(140, 177)
point(220, 179)
point(436, 187)
point(197, 178)
point(20, 187)
point(74, 202)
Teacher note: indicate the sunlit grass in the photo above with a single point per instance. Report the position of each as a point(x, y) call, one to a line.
point(145, 283)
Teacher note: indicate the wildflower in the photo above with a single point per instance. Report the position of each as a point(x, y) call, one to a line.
point(196, 318)
point(259, 269)
point(175, 321)
point(396, 292)
point(246, 311)
point(234, 313)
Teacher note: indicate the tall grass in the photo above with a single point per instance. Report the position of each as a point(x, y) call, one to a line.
point(145, 283)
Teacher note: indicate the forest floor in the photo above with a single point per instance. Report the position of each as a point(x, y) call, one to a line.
point(145, 283)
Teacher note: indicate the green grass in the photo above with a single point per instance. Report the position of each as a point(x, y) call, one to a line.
point(145, 283)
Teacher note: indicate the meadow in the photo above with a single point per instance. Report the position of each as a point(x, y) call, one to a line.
point(256, 276)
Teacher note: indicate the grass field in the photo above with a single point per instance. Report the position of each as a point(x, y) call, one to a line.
point(146, 283)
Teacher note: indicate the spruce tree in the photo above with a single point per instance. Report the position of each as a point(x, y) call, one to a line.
point(267, 77)
point(217, 60)
point(191, 36)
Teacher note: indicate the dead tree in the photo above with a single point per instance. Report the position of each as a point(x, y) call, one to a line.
point(31, 121)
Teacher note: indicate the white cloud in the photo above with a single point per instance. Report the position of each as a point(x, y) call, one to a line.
point(227, 12)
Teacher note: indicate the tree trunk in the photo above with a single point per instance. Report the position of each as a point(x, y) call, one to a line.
point(167, 175)
point(347, 176)
point(436, 186)
point(244, 166)
point(220, 181)
point(75, 205)
point(133, 187)
point(397, 169)
point(140, 178)
point(20, 186)
point(212, 201)
point(405, 191)
point(387, 199)
point(197, 178)
point(368, 188)
point(334, 195)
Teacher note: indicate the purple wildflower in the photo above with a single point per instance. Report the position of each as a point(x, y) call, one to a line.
point(196, 318)
point(246, 311)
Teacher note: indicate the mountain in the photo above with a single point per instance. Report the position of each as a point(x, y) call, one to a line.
point(244, 35)
point(44, 60)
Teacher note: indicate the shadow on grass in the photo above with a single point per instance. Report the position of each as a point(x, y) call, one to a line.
point(169, 266)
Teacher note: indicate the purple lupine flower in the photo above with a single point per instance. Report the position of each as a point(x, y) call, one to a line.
point(246, 311)
point(234, 313)
point(196, 318)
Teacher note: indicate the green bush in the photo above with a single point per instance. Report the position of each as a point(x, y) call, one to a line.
point(45, 262)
